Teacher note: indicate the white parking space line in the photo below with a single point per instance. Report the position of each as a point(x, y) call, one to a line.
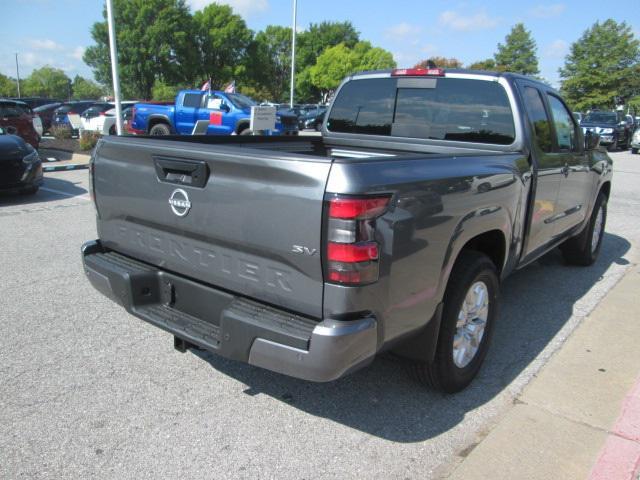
point(66, 194)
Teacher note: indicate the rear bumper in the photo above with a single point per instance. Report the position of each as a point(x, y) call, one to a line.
point(231, 326)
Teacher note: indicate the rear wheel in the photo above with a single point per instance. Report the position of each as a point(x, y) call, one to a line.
point(468, 316)
point(246, 131)
point(584, 248)
point(160, 129)
point(613, 147)
point(634, 151)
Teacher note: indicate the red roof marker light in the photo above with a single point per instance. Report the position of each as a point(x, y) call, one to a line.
point(417, 72)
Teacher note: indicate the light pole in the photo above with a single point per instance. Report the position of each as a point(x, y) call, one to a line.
point(293, 51)
point(18, 75)
point(114, 65)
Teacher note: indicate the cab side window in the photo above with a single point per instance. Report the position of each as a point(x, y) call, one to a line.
point(214, 102)
point(564, 125)
point(538, 117)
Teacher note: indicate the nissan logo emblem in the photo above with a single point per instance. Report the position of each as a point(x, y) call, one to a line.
point(179, 202)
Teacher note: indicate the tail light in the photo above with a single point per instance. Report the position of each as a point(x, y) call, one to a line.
point(417, 72)
point(102, 114)
point(352, 253)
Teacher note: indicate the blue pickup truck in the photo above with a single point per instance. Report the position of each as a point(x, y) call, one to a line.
point(227, 114)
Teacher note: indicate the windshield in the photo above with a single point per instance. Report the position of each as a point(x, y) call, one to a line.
point(240, 101)
point(600, 117)
point(455, 109)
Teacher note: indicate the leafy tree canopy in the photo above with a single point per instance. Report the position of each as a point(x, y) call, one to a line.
point(337, 62)
point(518, 54)
point(46, 82)
point(155, 41)
point(8, 86)
point(86, 89)
point(488, 64)
point(222, 39)
point(604, 63)
point(440, 62)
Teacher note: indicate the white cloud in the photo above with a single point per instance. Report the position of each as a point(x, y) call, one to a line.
point(402, 31)
point(467, 23)
point(245, 8)
point(44, 44)
point(77, 53)
point(547, 11)
point(557, 49)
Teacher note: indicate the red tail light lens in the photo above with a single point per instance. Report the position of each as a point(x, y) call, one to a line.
point(352, 253)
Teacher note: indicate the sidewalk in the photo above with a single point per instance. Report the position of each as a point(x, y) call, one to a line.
point(64, 160)
point(580, 418)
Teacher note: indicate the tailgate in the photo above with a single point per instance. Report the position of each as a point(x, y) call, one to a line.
point(224, 215)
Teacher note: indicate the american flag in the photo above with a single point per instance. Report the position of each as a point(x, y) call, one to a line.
point(231, 88)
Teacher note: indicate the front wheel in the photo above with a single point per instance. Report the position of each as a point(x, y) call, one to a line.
point(613, 147)
point(584, 248)
point(468, 316)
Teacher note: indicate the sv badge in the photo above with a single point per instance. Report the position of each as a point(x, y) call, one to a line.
point(300, 250)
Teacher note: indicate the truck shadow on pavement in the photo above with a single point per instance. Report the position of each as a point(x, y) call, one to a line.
point(53, 188)
point(383, 400)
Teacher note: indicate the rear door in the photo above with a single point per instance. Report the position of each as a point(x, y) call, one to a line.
point(187, 113)
point(228, 216)
point(549, 169)
point(576, 181)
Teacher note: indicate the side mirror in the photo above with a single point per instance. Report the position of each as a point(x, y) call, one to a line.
point(591, 140)
point(224, 107)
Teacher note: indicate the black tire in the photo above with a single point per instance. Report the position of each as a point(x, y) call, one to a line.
point(112, 130)
point(634, 151)
point(160, 129)
point(245, 131)
point(443, 373)
point(579, 250)
point(613, 147)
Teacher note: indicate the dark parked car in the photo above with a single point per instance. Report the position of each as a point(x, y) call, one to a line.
point(96, 110)
point(61, 114)
point(35, 102)
point(312, 119)
point(17, 118)
point(611, 126)
point(45, 112)
point(20, 165)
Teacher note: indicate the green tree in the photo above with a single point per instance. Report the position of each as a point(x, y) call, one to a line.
point(83, 88)
point(8, 86)
point(604, 63)
point(155, 41)
point(269, 63)
point(222, 39)
point(46, 82)
point(162, 92)
point(339, 61)
point(440, 62)
point(488, 64)
point(518, 54)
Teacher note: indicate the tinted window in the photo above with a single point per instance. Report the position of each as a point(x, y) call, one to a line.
point(9, 110)
point(565, 128)
point(601, 117)
point(45, 108)
point(364, 106)
point(192, 100)
point(538, 118)
point(440, 109)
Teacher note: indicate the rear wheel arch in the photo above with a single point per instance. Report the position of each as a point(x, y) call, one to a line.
point(241, 126)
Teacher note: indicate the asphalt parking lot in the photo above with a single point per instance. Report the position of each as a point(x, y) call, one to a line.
point(91, 392)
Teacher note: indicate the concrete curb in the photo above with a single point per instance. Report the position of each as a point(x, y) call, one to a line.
point(60, 168)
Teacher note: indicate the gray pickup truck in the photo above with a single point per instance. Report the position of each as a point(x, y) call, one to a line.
point(308, 256)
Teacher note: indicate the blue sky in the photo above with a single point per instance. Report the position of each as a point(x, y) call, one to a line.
point(55, 32)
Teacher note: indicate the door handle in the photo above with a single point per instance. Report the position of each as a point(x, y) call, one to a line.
point(194, 173)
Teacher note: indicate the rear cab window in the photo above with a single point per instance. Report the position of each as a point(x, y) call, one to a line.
point(440, 108)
